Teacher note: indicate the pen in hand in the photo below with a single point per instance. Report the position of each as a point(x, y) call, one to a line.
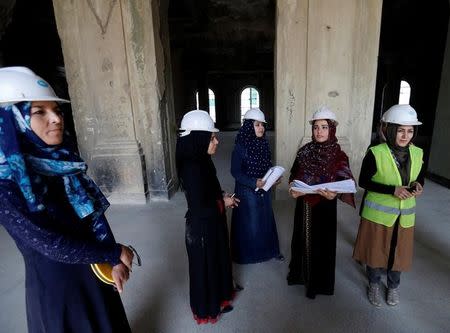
point(234, 201)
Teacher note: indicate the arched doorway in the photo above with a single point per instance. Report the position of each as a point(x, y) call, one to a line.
point(408, 71)
point(249, 99)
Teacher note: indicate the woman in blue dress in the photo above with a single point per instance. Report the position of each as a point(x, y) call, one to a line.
point(254, 236)
point(55, 214)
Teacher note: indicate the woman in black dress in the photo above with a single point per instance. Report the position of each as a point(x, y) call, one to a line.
point(54, 213)
point(313, 247)
point(210, 275)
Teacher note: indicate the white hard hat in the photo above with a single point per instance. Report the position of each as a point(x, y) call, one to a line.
point(197, 120)
point(323, 113)
point(255, 114)
point(401, 114)
point(20, 84)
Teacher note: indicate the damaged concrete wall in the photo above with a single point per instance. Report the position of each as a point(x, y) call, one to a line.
point(115, 71)
point(146, 35)
point(326, 54)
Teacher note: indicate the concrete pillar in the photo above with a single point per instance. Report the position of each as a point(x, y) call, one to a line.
point(115, 64)
point(326, 54)
point(439, 162)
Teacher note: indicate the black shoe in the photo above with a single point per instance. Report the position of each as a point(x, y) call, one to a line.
point(238, 287)
point(311, 295)
point(280, 257)
point(293, 280)
point(226, 309)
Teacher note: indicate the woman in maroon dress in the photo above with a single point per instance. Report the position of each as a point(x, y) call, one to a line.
point(313, 247)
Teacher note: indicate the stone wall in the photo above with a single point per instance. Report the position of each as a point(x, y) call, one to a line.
point(439, 161)
point(119, 72)
point(115, 65)
point(326, 54)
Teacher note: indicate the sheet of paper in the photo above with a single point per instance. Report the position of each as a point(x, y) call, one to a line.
point(272, 176)
point(343, 186)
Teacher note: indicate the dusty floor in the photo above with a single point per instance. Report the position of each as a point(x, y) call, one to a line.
point(156, 297)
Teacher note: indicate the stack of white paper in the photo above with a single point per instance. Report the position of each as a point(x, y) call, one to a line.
point(343, 186)
point(271, 176)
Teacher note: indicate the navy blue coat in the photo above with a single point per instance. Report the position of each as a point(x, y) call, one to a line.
point(254, 235)
point(62, 292)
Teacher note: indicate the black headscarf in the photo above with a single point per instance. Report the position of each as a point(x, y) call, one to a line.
point(401, 154)
point(258, 151)
point(193, 148)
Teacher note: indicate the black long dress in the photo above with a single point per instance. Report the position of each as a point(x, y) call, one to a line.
point(207, 242)
point(313, 247)
point(62, 292)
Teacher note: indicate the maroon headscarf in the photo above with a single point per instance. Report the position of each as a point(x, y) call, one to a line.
point(322, 162)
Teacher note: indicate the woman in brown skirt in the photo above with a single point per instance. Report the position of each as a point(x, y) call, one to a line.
point(392, 175)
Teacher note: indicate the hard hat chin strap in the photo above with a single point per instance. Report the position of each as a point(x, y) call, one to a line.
point(185, 132)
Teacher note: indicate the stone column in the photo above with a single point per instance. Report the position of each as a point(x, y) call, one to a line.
point(146, 30)
point(439, 162)
point(326, 54)
point(114, 60)
point(290, 82)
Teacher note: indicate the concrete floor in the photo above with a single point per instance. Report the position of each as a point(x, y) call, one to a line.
point(157, 296)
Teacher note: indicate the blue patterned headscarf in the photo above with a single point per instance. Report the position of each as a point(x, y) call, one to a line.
point(258, 151)
point(27, 160)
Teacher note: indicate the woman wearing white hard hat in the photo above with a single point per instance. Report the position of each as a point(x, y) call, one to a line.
point(210, 276)
point(254, 236)
point(313, 247)
point(392, 174)
point(54, 212)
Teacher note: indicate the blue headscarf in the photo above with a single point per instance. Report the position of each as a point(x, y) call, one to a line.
point(26, 160)
point(258, 151)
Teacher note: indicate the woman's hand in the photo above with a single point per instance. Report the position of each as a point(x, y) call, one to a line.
point(260, 183)
point(120, 275)
point(294, 194)
point(419, 189)
point(230, 200)
point(402, 192)
point(278, 181)
point(329, 195)
point(126, 257)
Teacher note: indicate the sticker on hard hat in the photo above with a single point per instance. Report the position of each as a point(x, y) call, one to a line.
point(42, 83)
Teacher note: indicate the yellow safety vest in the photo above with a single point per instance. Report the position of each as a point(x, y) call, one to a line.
point(385, 208)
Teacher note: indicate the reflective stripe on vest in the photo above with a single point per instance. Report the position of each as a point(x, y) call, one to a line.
point(385, 208)
point(389, 210)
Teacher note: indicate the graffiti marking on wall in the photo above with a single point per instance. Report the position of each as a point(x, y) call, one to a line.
point(102, 24)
